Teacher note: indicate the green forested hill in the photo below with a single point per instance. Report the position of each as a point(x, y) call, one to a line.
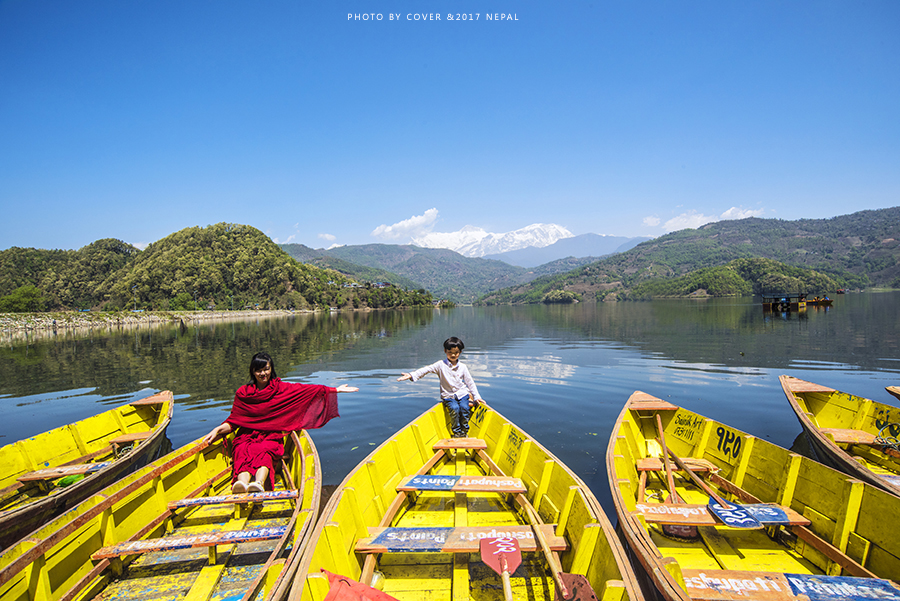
point(445, 273)
point(220, 266)
point(321, 259)
point(857, 250)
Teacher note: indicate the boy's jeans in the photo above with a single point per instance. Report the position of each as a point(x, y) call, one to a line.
point(459, 415)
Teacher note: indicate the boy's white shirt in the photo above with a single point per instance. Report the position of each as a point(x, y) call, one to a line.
point(456, 381)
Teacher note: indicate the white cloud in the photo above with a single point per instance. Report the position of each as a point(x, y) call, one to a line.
point(693, 219)
point(417, 225)
point(329, 237)
point(652, 220)
point(741, 213)
point(140, 245)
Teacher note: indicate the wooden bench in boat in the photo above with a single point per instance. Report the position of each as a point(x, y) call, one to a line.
point(847, 435)
point(130, 437)
point(453, 539)
point(850, 436)
point(500, 484)
point(252, 497)
point(156, 399)
point(60, 471)
point(685, 514)
point(460, 443)
point(206, 539)
point(655, 464)
point(52, 473)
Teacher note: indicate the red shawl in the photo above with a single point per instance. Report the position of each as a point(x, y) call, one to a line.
point(283, 406)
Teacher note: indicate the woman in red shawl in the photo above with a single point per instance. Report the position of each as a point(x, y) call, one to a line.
point(263, 410)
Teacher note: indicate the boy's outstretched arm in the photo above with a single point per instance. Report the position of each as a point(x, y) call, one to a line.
point(405, 376)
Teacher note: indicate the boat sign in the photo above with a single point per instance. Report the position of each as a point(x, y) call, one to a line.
point(460, 539)
point(828, 588)
point(734, 516)
point(463, 483)
point(769, 513)
point(721, 585)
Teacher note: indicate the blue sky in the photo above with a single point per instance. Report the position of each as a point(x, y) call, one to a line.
point(132, 119)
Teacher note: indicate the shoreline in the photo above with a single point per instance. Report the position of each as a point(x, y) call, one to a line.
point(21, 326)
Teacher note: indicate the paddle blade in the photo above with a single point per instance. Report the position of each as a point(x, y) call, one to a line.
point(579, 588)
point(734, 516)
point(496, 552)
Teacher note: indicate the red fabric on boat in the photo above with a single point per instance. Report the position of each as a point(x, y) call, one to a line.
point(263, 416)
point(253, 449)
point(283, 406)
point(346, 589)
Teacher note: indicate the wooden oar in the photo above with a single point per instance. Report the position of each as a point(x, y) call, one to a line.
point(698, 481)
point(555, 568)
point(503, 556)
point(574, 587)
point(732, 515)
point(674, 530)
point(670, 480)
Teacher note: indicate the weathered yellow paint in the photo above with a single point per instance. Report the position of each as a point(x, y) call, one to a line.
point(434, 576)
point(852, 516)
point(124, 510)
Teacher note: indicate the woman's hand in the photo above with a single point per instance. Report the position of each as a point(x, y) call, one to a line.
point(405, 376)
point(220, 430)
point(345, 388)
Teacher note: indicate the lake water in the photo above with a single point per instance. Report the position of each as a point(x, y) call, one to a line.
point(562, 373)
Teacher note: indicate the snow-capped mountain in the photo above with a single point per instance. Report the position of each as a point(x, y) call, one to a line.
point(475, 242)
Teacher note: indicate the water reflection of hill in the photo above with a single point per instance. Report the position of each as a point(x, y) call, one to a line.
point(207, 361)
point(861, 329)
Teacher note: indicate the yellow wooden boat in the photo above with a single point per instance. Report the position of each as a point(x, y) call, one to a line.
point(173, 530)
point(45, 475)
point(788, 527)
point(855, 435)
point(409, 519)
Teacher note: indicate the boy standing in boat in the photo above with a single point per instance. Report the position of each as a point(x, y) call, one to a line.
point(458, 391)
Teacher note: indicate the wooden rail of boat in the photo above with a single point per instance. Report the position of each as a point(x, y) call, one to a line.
point(843, 530)
point(150, 506)
point(558, 516)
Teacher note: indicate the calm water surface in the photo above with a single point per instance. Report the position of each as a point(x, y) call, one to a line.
point(562, 373)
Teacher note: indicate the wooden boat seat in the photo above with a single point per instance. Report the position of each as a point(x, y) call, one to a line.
point(655, 464)
point(156, 399)
point(846, 435)
point(500, 484)
point(641, 401)
point(130, 437)
point(52, 473)
point(207, 539)
point(698, 515)
point(460, 443)
point(252, 497)
point(453, 539)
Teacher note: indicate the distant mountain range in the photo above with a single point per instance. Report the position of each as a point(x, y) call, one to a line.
point(445, 273)
point(856, 251)
point(451, 275)
point(476, 242)
point(585, 245)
